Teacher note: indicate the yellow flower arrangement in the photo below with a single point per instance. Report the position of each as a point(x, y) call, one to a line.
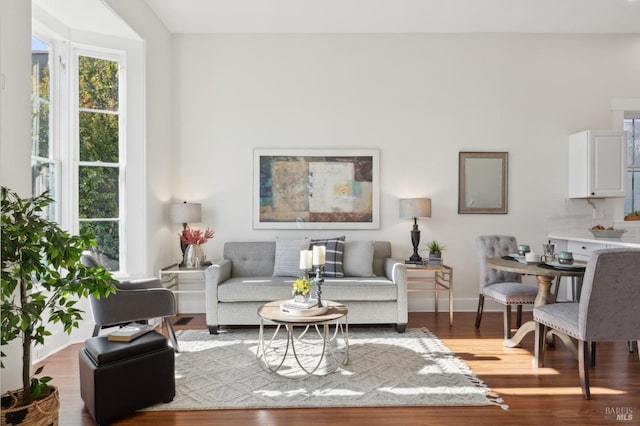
point(301, 286)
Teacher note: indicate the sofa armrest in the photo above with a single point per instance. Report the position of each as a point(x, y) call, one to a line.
point(396, 271)
point(214, 275)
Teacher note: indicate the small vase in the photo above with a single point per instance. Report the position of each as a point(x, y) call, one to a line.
point(193, 256)
point(299, 297)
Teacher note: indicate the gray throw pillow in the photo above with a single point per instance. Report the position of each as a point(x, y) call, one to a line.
point(333, 258)
point(287, 261)
point(358, 259)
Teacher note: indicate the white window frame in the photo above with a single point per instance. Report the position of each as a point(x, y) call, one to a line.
point(133, 247)
point(120, 58)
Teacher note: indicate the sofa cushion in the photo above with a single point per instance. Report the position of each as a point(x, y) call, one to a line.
point(358, 259)
point(265, 289)
point(333, 261)
point(287, 261)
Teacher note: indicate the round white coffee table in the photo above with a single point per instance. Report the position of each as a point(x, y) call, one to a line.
point(325, 345)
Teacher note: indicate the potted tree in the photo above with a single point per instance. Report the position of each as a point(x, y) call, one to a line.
point(435, 250)
point(42, 280)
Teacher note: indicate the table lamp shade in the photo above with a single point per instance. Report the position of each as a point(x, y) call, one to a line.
point(415, 207)
point(185, 212)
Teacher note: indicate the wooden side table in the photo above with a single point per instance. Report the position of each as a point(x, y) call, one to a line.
point(432, 278)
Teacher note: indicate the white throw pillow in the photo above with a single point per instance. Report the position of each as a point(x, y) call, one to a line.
point(287, 262)
point(358, 259)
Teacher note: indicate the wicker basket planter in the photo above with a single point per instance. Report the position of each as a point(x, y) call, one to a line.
point(632, 217)
point(42, 412)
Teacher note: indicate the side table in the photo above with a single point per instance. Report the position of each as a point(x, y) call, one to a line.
point(434, 278)
point(185, 281)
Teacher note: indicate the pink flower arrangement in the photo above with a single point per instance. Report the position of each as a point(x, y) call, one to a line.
point(195, 236)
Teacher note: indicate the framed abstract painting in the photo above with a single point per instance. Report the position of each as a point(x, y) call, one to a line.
point(316, 189)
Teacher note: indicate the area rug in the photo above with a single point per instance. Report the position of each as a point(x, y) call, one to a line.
point(384, 368)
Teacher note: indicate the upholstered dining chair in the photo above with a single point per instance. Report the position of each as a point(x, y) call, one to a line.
point(503, 287)
point(607, 310)
point(133, 301)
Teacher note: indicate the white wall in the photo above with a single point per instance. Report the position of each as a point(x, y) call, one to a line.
point(15, 130)
point(157, 92)
point(420, 99)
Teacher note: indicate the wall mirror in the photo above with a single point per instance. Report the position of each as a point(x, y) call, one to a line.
point(482, 182)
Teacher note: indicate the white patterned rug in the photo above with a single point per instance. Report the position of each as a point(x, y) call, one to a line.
point(385, 368)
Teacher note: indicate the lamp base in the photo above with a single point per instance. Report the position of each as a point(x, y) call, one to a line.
point(413, 262)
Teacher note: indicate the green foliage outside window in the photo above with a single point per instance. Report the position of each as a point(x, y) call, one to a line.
point(98, 183)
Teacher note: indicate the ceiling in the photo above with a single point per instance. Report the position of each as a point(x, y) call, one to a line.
point(398, 16)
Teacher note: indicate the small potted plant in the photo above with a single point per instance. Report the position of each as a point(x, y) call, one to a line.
point(42, 280)
point(435, 250)
point(634, 215)
point(301, 289)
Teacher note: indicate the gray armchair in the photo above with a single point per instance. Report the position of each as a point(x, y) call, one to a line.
point(607, 310)
point(138, 300)
point(503, 287)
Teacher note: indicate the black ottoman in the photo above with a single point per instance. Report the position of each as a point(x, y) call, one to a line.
point(118, 378)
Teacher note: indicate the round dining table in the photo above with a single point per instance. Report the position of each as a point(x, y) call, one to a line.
point(545, 275)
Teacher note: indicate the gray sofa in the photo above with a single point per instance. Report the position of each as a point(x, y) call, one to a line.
point(241, 282)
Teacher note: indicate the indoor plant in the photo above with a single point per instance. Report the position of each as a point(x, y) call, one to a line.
point(435, 252)
point(42, 280)
point(193, 254)
point(634, 215)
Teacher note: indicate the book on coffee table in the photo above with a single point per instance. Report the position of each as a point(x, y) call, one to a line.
point(301, 305)
point(130, 332)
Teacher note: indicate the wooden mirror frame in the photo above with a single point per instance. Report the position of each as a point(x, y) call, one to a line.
point(490, 183)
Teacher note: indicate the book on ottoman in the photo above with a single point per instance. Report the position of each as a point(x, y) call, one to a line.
point(130, 332)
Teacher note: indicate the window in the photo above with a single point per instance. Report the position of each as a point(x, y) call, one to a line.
point(100, 165)
point(632, 127)
point(44, 168)
point(88, 105)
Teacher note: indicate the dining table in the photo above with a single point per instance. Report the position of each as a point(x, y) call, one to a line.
point(545, 273)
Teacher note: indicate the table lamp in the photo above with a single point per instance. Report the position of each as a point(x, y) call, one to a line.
point(184, 213)
point(414, 208)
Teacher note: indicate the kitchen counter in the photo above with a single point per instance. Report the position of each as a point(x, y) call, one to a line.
point(628, 239)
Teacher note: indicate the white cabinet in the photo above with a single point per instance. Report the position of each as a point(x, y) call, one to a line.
point(597, 164)
point(582, 250)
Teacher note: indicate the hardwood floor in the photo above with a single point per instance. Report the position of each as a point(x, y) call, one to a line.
point(550, 395)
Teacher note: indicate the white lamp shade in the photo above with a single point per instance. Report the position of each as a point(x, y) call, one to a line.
point(415, 207)
point(185, 212)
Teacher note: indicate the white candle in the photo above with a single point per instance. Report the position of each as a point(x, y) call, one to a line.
point(305, 259)
point(319, 255)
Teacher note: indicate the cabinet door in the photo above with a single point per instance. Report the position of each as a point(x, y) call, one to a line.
point(608, 165)
point(597, 164)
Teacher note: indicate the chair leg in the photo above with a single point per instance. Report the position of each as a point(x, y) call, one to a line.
point(583, 362)
point(172, 334)
point(519, 316)
point(540, 345)
point(96, 330)
point(593, 354)
point(507, 322)
point(556, 288)
point(479, 311)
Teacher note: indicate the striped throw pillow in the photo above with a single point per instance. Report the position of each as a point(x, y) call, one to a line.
point(333, 267)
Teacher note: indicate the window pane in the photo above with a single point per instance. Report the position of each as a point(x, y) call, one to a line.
point(98, 137)
point(40, 131)
point(40, 68)
point(98, 192)
point(43, 179)
point(98, 81)
point(108, 239)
